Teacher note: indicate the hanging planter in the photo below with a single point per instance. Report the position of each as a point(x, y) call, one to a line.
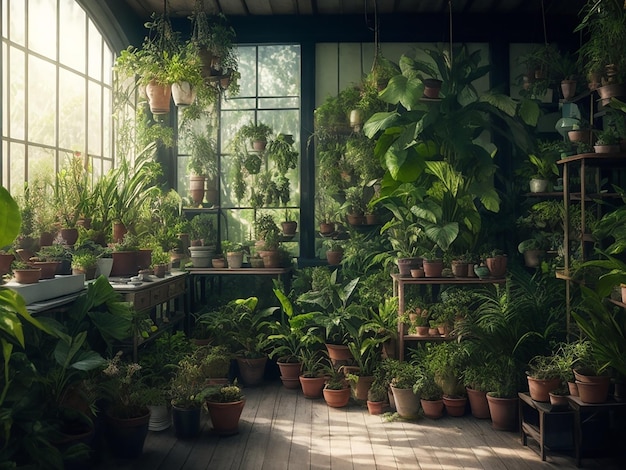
point(183, 93)
point(159, 97)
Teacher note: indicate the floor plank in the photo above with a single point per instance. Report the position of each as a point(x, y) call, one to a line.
point(282, 430)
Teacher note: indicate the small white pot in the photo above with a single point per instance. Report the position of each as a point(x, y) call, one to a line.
point(538, 186)
point(183, 93)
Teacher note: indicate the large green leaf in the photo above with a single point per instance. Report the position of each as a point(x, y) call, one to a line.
point(380, 122)
point(10, 218)
point(442, 235)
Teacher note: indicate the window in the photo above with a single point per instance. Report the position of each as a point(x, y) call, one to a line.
point(269, 94)
point(56, 91)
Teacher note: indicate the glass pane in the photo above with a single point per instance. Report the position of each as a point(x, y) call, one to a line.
point(231, 122)
point(42, 112)
point(95, 116)
point(106, 124)
point(17, 22)
point(17, 173)
point(247, 69)
point(239, 103)
point(17, 95)
point(42, 31)
point(265, 103)
point(72, 108)
point(108, 66)
point(4, 164)
point(279, 70)
point(94, 67)
point(72, 51)
point(40, 164)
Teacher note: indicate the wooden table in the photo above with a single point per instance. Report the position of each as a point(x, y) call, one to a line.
point(163, 299)
point(197, 289)
point(586, 414)
point(550, 427)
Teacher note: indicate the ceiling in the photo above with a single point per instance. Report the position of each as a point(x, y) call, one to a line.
point(183, 8)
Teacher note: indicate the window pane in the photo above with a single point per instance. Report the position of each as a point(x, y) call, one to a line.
point(17, 95)
point(279, 70)
point(42, 111)
point(17, 22)
point(18, 171)
point(94, 117)
point(106, 123)
point(239, 103)
point(72, 110)
point(247, 69)
point(42, 29)
point(72, 52)
point(40, 163)
point(95, 53)
point(265, 103)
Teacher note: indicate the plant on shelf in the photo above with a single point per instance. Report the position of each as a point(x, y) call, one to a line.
point(253, 132)
point(203, 156)
point(608, 136)
point(280, 150)
point(202, 228)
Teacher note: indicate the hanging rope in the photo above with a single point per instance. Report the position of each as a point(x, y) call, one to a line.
point(450, 13)
point(545, 28)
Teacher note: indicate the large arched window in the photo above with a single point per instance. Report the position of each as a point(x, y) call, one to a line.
point(56, 90)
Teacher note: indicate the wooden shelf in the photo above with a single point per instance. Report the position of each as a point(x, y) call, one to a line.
point(597, 159)
point(436, 339)
point(446, 280)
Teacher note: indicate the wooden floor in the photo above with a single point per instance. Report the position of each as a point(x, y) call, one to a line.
point(280, 429)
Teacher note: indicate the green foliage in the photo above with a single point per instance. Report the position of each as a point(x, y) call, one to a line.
point(202, 227)
point(187, 384)
point(228, 393)
point(281, 152)
point(608, 137)
point(426, 386)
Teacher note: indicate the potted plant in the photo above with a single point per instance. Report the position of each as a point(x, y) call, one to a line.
point(376, 398)
point(365, 349)
point(24, 273)
point(405, 377)
point(234, 253)
point(543, 376)
point(151, 63)
point(255, 133)
point(447, 361)
point(533, 250)
point(355, 205)
point(476, 377)
point(225, 404)
point(84, 262)
point(127, 415)
point(203, 166)
point(336, 391)
point(544, 166)
point(312, 379)
point(289, 224)
point(334, 251)
point(607, 142)
point(430, 393)
point(289, 336)
point(280, 150)
point(185, 390)
point(160, 262)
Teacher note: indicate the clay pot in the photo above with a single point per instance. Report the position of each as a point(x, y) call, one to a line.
point(504, 413)
point(406, 264)
point(27, 276)
point(159, 97)
point(334, 257)
point(312, 386)
point(375, 407)
point(433, 268)
point(336, 398)
point(455, 406)
point(497, 265)
point(539, 389)
point(48, 268)
point(433, 409)
point(459, 268)
point(432, 87)
point(407, 402)
point(478, 403)
point(196, 188)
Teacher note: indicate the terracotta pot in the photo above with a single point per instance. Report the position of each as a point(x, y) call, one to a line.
point(235, 259)
point(416, 273)
point(389, 349)
point(251, 371)
point(289, 370)
point(406, 264)
point(271, 258)
point(539, 389)
point(144, 258)
point(336, 398)
point(478, 403)
point(573, 388)
point(497, 265)
point(159, 97)
point(196, 188)
point(70, 235)
point(407, 402)
point(259, 145)
point(470, 271)
point(124, 263)
point(459, 268)
point(568, 87)
point(432, 87)
point(312, 386)
point(558, 401)
point(422, 330)
point(327, 228)
point(27, 276)
point(623, 291)
point(160, 270)
point(46, 239)
point(376, 407)
point(433, 268)
point(362, 387)
point(433, 409)
point(218, 263)
point(334, 257)
point(372, 219)
point(606, 148)
point(339, 353)
point(593, 392)
point(504, 413)
point(225, 416)
point(581, 135)
point(119, 230)
point(90, 273)
point(183, 93)
point(356, 219)
point(607, 92)
point(289, 227)
point(5, 263)
point(455, 406)
point(433, 332)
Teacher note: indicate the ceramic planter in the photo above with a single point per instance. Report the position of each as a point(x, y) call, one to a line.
point(235, 259)
point(27, 276)
point(183, 93)
point(407, 402)
point(538, 185)
point(334, 257)
point(48, 268)
point(186, 421)
point(196, 188)
point(251, 371)
point(362, 387)
point(126, 437)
